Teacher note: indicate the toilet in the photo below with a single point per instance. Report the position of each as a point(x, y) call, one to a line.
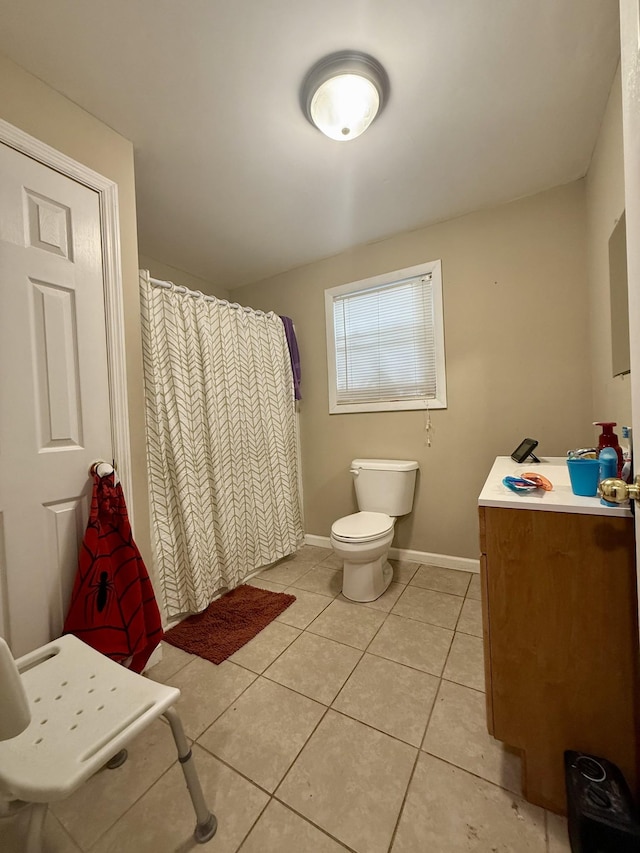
point(384, 491)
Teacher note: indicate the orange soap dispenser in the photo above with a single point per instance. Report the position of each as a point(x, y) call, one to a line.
point(608, 438)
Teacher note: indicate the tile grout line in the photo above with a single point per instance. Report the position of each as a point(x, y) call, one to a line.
point(331, 597)
point(126, 811)
point(313, 618)
point(434, 589)
point(258, 674)
point(304, 695)
point(195, 740)
point(446, 660)
point(388, 613)
point(346, 645)
point(235, 770)
point(460, 615)
point(413, 770)
point(327, 709)
point(482, 692)
point(253, 825)
point(365, 651)
point(408, 665)
point(379, 731)
point(226, 707)
point(273, 796)
point(511, 793)
point(357, 648)
point(330, 707)
point(179, 669)
point(420, 748)
point(289, 768)
point(338, 710)
point(64, 829)
point(285, 687)
point(424, 621)
point(460, 684)
point(293, 760)
point(316, 825)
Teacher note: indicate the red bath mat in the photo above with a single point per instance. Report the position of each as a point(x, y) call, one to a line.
point(229, 622)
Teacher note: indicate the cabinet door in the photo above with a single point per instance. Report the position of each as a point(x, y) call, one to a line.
point(563, 652)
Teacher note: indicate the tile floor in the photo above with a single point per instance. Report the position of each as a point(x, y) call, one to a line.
point(341, 727)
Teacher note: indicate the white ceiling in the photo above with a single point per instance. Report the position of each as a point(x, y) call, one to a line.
point(490, 100)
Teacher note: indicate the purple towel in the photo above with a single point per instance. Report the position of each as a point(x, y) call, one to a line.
point(293, 352)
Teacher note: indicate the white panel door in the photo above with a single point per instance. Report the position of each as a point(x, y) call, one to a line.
point(54, 389)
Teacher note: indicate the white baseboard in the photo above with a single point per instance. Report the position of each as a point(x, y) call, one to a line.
point(318, 541)
point(444, 561)
point(155, 657)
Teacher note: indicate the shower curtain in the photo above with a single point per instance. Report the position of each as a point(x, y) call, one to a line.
point(221, 443)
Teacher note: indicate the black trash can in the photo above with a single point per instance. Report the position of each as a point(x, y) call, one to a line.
point(600, 810)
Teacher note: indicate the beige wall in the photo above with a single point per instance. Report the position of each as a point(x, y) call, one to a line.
point(516, 328)
point(605, 204)
point(517, 354)
point(163, 271)
point(31, 105)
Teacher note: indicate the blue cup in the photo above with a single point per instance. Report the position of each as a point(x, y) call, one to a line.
point(584, 475)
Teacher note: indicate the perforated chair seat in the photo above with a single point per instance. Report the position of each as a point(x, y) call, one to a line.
point(84, 710)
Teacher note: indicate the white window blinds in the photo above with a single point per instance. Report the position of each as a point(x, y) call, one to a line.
point(385, 347)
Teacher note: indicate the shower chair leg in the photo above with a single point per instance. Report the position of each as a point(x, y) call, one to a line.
point(36, 827)
point(206, 821)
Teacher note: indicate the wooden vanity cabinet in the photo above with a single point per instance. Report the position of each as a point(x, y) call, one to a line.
point(559, 606)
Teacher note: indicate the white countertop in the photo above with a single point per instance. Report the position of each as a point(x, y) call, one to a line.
point(561, 499)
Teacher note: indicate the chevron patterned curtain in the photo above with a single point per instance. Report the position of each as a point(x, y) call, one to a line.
point(221, 444)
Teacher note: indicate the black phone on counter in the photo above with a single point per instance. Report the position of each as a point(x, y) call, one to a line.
point(525, 450)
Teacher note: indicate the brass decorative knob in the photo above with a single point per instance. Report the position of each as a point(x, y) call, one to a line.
point(617, 491)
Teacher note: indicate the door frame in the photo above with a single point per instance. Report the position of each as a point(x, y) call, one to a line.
point(113, 303)
point(630, 71)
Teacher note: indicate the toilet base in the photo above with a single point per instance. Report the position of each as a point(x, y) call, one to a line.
point(366, 581)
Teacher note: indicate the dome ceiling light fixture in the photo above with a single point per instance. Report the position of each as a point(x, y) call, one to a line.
point(343, 93)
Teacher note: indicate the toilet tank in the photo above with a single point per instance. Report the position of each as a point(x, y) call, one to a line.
point(385, 485)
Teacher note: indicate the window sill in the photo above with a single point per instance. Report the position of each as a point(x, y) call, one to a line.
point(390, 406)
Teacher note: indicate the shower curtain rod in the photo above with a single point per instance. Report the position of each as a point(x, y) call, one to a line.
point(198, 294)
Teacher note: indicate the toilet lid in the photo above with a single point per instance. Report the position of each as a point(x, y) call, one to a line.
point(362, 526)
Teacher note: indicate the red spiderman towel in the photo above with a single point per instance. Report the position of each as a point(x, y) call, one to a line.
point(113, 607)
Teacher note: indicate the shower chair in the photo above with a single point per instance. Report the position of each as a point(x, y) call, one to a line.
point(66, 711)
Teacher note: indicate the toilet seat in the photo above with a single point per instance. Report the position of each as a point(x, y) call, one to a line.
point(362, 527)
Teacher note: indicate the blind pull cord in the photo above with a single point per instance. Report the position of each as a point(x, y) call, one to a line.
point(427, 425)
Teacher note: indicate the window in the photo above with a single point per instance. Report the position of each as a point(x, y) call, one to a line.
point(385, 342)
